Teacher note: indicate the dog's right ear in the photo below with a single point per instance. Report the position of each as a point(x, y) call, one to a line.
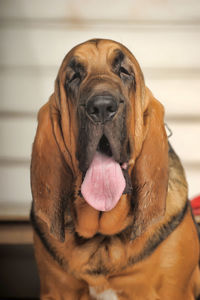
point(51, 177)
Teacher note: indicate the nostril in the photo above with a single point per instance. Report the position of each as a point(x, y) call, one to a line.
point(94, 111)
point(91, 109)
point(111, 109)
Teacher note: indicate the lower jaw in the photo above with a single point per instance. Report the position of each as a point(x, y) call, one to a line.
point(91, 222)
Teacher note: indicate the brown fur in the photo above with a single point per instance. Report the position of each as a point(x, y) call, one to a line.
point(147, 247)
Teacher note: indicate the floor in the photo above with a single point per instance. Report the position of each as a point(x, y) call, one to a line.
point(18, 272)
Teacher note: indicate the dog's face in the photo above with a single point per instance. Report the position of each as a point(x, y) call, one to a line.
point(107, 135)
point(100, 84)
point(101, 80)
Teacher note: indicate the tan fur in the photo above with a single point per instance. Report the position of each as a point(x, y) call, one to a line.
point(171, 271)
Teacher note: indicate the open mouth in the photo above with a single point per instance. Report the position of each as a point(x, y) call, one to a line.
point(104, 146)
point(105, 180)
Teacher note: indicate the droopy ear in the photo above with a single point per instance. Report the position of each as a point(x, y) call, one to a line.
point(51, 178)
point(150, 174)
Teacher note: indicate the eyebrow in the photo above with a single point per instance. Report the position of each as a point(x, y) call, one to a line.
point(119, 54)
point(72, 63)
point(75, 64)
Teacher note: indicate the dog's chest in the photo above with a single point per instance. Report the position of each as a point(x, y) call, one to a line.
point(105, 295)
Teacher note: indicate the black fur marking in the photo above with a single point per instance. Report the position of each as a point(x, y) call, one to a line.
point(158, 237)
point(100, 270)
point(195, 223)
point(60, 260)
point(79, 240)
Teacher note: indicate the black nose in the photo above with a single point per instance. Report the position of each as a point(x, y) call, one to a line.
point(102, 108)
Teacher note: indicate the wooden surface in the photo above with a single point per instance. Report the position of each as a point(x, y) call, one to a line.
point(16, 233)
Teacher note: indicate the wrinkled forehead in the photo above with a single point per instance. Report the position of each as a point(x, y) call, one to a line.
point(97, 53)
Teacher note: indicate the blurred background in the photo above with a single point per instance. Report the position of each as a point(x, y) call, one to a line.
point(35, 35)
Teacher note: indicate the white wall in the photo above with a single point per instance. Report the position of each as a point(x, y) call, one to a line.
point(34, 37)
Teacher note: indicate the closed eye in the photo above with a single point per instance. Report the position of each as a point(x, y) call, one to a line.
point(75, 76)
point(124, 71)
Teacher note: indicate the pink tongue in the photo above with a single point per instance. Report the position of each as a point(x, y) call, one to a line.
point(104, 183)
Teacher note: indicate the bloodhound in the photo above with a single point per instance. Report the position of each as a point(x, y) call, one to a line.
point(110, 210)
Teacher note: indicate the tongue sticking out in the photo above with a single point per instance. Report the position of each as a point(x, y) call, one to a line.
point(104, 183)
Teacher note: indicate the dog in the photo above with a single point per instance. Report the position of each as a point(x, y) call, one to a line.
point(110, 210)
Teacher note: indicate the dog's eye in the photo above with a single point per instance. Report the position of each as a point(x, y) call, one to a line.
point(123, 71)
point(125, 75)
point(75, 78)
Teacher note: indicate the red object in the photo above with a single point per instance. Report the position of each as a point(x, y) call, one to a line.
point(195, 203)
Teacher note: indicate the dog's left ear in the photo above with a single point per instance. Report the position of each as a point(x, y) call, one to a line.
point(150, 173)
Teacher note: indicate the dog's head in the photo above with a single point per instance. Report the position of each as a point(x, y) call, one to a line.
point(103, 115)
